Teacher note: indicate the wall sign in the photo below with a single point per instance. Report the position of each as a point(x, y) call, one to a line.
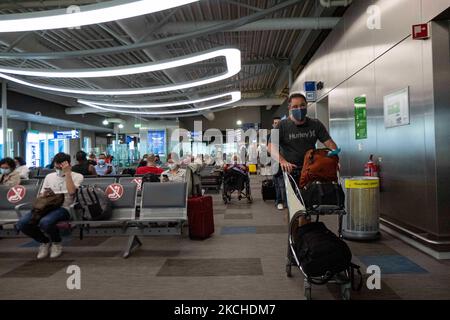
point(421, 31)
point(360, 118)
point(71, 134)
point(396, 108)
point(114, 191)
point(16, 194)
point(311, 91)
point(156, 142)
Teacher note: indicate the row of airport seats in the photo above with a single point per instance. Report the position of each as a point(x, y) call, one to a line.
point(160, 209)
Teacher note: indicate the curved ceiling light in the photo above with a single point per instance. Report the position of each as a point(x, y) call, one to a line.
point(154, 105)
point(232, 58)
point(231, 55)
point(89, 14)
point(235, 96)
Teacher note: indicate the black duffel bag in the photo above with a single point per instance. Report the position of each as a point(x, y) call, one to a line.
point(320, 252)
point(318, 193)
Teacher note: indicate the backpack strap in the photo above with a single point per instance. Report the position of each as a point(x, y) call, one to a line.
point(89, 193)
point(82, 189)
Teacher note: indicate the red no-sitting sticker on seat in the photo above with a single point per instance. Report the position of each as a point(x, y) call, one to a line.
point(114, 191)
point(138, 181)
point(16, 194)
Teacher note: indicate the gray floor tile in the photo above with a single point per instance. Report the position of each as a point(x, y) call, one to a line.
point(210, 267)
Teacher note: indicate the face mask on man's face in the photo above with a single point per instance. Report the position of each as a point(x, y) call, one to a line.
point(172, 166)
point(5, 171)
point(101, 162)
point(59, 172)
point(299, 114)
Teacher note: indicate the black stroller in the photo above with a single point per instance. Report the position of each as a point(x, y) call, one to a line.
point(297, 210)
point(236, 181)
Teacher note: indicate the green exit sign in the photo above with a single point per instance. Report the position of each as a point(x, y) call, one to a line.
point(137, 125)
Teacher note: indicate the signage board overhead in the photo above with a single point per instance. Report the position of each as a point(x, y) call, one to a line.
point(70, 134)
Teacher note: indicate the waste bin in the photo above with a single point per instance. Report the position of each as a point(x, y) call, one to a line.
point(362, 202)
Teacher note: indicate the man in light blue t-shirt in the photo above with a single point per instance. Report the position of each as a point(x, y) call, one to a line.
point(102, 168)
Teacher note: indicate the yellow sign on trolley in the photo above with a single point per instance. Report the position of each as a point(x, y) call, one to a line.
point(362, 184)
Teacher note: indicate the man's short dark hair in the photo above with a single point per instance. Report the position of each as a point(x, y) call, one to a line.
point(81, 156)
point(276, 118)
point(296, 95)
point(61, 157)
point(20, 161)
point(10, 162)
point(102, 154)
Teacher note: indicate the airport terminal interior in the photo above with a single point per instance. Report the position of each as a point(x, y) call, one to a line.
point(225, 149)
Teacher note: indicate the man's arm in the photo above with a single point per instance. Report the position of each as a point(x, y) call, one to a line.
point(330, 144)
point(275, 154)
point(66, 168)
point(92, 171)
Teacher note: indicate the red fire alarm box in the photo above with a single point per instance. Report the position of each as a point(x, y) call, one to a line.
point(421, 31)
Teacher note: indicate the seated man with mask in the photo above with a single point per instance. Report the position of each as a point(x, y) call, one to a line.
point(45, 231)
point(102, 168)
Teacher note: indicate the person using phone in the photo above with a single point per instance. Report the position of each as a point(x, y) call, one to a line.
point(174, 173)
point(45, 231)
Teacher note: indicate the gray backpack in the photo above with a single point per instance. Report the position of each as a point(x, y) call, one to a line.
point(93, 204)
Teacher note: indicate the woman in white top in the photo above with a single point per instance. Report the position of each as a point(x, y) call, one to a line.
point(174, 173)
point(21, 167)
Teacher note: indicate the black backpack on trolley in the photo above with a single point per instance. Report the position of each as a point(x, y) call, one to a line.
point(93, 204)
point(320, 252)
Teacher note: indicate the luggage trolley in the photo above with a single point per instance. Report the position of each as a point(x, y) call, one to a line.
point(297, 210)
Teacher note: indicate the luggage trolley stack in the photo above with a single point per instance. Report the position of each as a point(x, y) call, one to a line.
point(297, 210)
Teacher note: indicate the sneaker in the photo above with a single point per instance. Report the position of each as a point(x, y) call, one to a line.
point(56, 250)
point(280, 206)
point(43, 250)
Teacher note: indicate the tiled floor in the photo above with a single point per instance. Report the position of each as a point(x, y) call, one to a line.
point(245, 259)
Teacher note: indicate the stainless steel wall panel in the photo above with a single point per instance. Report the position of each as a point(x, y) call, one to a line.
point(397, 18)
point(432, 8)
point(441, 57)
point(362, 83)
point(415, 157)
point(359, 41)
point(403, 148)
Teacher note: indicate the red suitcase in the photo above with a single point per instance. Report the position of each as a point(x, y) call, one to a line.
point(200, 217)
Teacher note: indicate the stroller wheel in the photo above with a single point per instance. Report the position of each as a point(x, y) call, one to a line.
point(289, 271)
point(345, 292)
point(308, 293)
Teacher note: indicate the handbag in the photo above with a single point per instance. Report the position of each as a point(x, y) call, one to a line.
point(44, 204)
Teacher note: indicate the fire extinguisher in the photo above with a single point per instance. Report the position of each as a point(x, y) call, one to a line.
point(371, 168)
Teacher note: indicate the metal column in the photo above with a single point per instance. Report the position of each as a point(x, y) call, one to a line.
point(290, 78)
point(4, 120)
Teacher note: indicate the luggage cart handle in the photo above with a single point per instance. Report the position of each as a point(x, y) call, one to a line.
point(299, 194)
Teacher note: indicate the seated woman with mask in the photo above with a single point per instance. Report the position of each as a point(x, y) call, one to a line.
point(174, 173)
point(8, 175)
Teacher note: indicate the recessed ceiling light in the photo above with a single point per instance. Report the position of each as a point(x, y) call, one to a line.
point(155, 105)
point(89, 14)
point(105, 122)
point(235, 96)
point(230, 55)
point(120, 126)
point(232, 58)
point(239, 122)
